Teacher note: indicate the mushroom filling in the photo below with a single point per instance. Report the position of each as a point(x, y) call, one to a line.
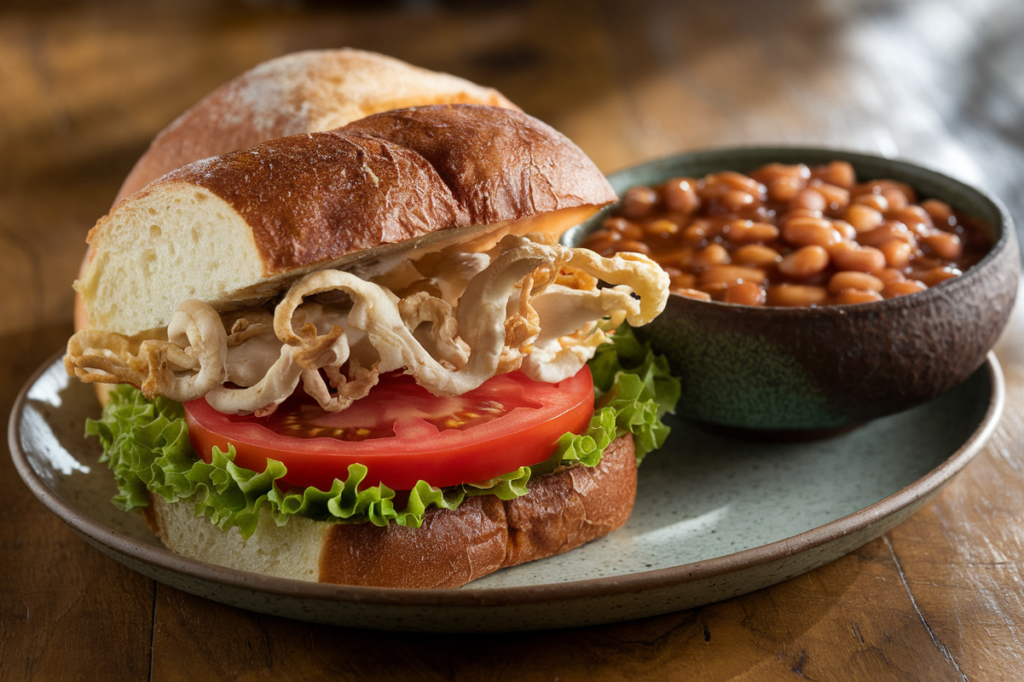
point(451, 319)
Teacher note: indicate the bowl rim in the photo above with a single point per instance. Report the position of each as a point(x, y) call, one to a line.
point(762, 154)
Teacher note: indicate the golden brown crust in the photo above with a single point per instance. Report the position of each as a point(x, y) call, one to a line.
point(298, 93)
point(451, 548)
point(519, 166)
point(394, 176)
point(563, 511)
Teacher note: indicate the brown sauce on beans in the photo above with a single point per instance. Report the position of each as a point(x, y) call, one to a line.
point(793, 236)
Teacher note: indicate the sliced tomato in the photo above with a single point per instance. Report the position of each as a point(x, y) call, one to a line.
point(403, 434)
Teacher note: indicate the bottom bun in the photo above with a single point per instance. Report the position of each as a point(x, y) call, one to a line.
point(564, 510)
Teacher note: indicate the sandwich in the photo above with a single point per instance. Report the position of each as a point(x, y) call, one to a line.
point(360, 356)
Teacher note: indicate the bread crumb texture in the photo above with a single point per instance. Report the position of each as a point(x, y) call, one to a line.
point(288, 551)
point(175, 243)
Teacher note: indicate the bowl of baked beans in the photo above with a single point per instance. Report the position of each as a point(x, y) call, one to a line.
point(813, 289)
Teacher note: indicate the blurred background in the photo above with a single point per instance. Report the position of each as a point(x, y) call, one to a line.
point(84, 86)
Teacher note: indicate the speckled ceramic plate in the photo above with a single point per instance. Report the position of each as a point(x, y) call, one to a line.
point(715, 518)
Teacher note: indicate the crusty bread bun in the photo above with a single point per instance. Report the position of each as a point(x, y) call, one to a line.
point(564, 510)
point(237, 228)
point(234, 230)
point(304, 92)
point(299, 93)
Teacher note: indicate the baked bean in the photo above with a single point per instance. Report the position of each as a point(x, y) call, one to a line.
point(730, 274)
point(785, 189)
point(626, 228)
point(881, 186)
point(601, 236)
point(810, 260)
point(743, 231)
point(914, 217)
point(923, 262)
point(854, 280)
point(756, 255)
point(810, 199)
point(890, 275)
point(783, 182)
point(890, 229)
point(681, 258)
point(692, 293)
point(853, 257)
point(943, 244)
point(744, 293)
point(736, 181)
point(940, 212)
point(851, 296)
point(938, 275)
point(681, 195)
point(603, 244)
point(774, 171)
point(635, 246)
point(908, 286)
point(638, 202)
point(715, 289)
point(839, 173)
point(810, 231)
point(863, 217)
point(684, 280)
point(836, 198)
point(897, 253)
point(713, 226)
point(700, 230)
point(875, 201)
point(736, 199)
point(796, 295)
point(712, 254)
point(616, 223)
point(896, 198)
point(799, 213)
point(793, 235)
point(845, 229)
point(661, 228)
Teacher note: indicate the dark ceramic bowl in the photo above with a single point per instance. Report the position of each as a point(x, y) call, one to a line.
point(794, 371)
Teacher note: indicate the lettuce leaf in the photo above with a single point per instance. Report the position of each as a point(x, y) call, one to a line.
point(637, 386)
point(146, 445)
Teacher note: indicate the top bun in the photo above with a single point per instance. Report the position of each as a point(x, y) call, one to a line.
point(299, 93)
point(238, 228)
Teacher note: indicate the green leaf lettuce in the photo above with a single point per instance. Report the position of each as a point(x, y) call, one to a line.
point(146, 445)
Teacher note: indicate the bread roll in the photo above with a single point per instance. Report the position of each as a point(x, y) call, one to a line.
point(563, 511)
point(238, 228)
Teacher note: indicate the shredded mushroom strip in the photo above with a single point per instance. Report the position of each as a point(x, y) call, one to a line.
point(534, 307)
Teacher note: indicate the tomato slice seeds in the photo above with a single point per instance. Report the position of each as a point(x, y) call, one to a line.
point(403, 434)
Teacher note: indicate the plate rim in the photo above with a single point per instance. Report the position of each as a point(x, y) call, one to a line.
point(640, 581)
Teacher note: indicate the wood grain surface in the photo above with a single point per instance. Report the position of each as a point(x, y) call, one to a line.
point(84, 86)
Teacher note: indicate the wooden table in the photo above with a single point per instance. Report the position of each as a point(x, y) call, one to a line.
point(83, 88)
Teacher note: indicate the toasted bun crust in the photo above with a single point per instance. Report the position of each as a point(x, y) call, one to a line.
point(239, 227)
point(563, 511)
point(298, 93)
